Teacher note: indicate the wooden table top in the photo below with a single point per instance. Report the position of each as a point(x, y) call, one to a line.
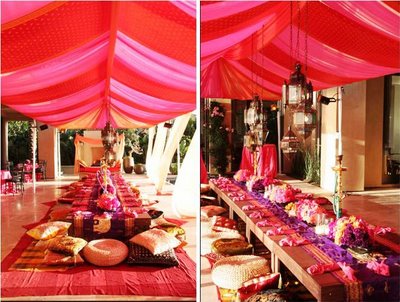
point(325, 287)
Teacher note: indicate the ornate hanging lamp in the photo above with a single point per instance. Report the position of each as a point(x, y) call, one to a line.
point(254, 120)
point(290, 143)
point(297, 95)
point(109, 139)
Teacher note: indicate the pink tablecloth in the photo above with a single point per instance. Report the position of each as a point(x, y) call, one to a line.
point(203, 171)
point(4, 174)
point(267, 161)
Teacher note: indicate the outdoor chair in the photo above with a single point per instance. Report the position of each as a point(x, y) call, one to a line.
point(16, 181)
point(42, 168)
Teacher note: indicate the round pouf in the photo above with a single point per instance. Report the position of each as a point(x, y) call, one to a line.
point(231, 247)
point(208, 239)
point(231, 272)
point(105, 252)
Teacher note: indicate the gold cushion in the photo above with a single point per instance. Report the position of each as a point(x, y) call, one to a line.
point(231, 246)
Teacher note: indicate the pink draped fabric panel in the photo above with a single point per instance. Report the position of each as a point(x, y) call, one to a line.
point(189, 7)
point(347, 42)
point(224, 9)
point(58, 105)
point(155, 66)
point(80, 80)
point(375, 16)
point(222, 80)
point(138, 99)
point(17, 9)
point(57, 70)
point(144, 116)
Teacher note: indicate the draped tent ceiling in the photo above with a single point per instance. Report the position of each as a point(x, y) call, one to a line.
point(246, 48)
point(77, 64)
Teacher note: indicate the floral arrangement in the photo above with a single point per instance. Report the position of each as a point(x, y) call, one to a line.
point(217, 112)
point(308, 210)
point(242, 175)
point(108, 202)
point(349, 232)
point(283, 194)
point(268, 181)
point(290, 209)
point(107, 189)
point(255, 183)
point(218, 137)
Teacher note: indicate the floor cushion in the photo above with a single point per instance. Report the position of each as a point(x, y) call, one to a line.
point(105, 252)
point(231, 272)
point(231, 246)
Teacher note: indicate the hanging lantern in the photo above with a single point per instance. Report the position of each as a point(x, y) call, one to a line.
point(254, 118)
point(297, 91)
point(109, 139)
point(304, 119)
point(290, 143)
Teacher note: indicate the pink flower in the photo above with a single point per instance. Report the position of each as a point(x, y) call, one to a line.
point(108, 202)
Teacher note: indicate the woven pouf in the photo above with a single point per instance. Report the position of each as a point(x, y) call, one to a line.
point(105, 252)
point(231, 247)
point(208, 239)
point(231, 272)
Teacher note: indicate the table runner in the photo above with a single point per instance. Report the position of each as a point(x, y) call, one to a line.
point(369, 286)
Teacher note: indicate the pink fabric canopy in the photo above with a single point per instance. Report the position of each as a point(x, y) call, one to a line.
point(78, 64)
point(245, 46)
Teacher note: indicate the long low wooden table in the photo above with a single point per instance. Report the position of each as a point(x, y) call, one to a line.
point(325, 287)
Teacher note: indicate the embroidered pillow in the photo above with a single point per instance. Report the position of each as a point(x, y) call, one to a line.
point(139, 255)
point(156, 241)
point(48, 230)
point(67, 245)
point(52, 258)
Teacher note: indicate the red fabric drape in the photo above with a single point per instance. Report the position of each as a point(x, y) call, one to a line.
point(79, 64)
point(245, 49)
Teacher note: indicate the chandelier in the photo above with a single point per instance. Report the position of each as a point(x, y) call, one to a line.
point(290, 143)
point(297, 95)
point(109, 139)
point(254, 118)
point(297, 91)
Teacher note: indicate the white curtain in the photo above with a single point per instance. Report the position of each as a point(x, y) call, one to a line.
point(186, 196)
point(158, 150)
point(149, 154)
point(120, 149)
point(172, 144)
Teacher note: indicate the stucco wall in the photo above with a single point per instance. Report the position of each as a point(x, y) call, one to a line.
point(374, 131)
